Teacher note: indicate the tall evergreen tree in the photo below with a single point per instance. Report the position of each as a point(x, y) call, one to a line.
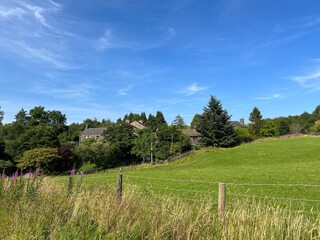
point(215, 127)
point(151, 123)
point(160, 120)
point(143, 117)
point(256, 121)
point(195, 120)
point(179, 122)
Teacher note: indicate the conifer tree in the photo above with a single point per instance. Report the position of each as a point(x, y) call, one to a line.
point(179, 122)
point(256, 121)
point(215, 127)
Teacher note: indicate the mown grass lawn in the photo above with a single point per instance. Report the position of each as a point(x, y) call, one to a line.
point(272, 161)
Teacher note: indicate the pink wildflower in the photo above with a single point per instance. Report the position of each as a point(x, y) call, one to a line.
point(38, 170)
point(13, 177)
point(73, 171)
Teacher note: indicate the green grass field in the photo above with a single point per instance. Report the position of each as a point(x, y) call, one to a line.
point(273, 192)
point(281, 162)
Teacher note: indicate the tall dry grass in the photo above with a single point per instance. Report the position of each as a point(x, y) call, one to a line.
point(44, 210)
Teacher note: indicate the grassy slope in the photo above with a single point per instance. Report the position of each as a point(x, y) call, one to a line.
point(280, 161)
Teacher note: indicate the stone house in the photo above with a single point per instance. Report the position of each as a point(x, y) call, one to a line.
point(92, 133)
point(193, 135)
point(240, 124)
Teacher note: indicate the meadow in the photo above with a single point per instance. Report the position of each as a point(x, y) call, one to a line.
point(273, 192)
point(282, 171)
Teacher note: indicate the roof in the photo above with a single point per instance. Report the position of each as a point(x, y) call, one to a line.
point(191, 133)
point(93, 131)
point(238, 124)
point(137, 125)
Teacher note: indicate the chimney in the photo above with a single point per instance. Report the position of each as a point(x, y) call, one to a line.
point(87, 126)
point(242, 121)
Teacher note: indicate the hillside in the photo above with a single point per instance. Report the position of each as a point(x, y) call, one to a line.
point(251, 171)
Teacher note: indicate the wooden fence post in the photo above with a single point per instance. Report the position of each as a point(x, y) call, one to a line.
point(119, 189)
point(222, 199)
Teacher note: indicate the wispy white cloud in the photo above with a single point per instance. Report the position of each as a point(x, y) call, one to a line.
point(193, 89)
point(57, 6)
point(78, 92)
point(40, 54)
point(13, 12)
point(309, 80)
point(109, 40)
point(304, 79)
point(38, 13)
point(312, 22)
point(35, 33)
point(272, 97)
point(124, 91)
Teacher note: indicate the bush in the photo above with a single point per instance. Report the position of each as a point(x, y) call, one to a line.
point(244, 135)
point(46, 158)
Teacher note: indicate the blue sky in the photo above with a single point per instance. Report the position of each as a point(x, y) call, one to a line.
point(105, 58)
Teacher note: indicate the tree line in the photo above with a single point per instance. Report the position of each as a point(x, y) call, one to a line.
point(41, 138)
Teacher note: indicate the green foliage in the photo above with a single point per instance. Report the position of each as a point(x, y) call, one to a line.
point(244, 134)
point(283, 126)
point(155, 122)
point(34, 137)
point(295, 128)
point(316, 113)
point(120, 138)
point(39, 128)
point(269, 129)
point(151, 123)
point(1, 116)
point(167, 141)
point(256, 121)
point(6, 164)
point(195, 120)
point(160, 120)
point(315, 129)
point(92, 123)
point(2, 148)
point(142, 144)
point(170, 141)
point(132, 117)
point(179, 122)
point(214, 126)
point(96, 152)
point(143, 117)
point(46, 158)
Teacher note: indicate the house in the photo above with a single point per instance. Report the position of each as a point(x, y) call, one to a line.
point(92, 133)
point(193, 135)
point(97, 133)
point(239, 124)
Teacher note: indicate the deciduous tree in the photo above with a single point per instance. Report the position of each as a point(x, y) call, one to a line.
point(45, 158)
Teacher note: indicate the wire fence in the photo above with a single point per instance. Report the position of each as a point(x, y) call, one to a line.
point(202, 190)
